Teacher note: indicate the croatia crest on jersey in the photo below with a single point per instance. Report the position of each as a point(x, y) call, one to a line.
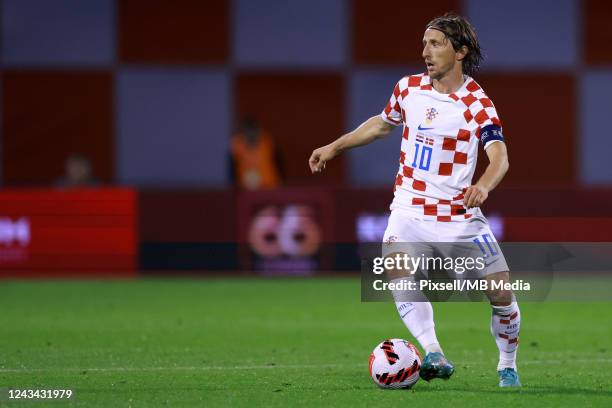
point(430, 115)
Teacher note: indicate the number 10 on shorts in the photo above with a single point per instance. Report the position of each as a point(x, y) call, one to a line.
point(490, 243)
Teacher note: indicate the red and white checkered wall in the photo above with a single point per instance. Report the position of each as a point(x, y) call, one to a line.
point(152, 90)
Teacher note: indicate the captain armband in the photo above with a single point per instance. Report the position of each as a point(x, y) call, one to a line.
point(490, 134)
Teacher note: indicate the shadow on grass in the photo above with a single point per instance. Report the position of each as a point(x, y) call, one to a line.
point(525, 390)
point(424, 389)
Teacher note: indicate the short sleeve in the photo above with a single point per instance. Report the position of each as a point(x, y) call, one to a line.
point(489, 124)
point(392, 113)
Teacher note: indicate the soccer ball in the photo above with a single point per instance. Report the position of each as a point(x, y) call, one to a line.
point(395, 363)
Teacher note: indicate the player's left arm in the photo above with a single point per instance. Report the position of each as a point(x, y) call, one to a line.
point(476, 194)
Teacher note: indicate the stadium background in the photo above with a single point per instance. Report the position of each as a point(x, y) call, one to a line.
point(151, 92)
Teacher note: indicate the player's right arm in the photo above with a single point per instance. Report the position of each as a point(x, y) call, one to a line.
point(370, 130)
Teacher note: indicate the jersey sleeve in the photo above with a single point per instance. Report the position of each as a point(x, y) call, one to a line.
point(489, 125)
point(392, 113)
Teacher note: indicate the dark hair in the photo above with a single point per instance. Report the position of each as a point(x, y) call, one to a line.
point(460, 32)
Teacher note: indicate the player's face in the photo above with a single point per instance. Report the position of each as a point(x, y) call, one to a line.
point(438, 53)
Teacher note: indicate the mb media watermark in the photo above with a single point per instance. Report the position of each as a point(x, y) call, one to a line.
point(459, 285)
point(475, 271)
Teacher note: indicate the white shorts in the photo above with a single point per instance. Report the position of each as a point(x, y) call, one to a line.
point(472, 237)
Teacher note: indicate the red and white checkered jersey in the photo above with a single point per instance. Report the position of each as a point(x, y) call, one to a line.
point(439, 145)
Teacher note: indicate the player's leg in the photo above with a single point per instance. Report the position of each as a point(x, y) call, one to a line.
point(505, 313)
point(415, 310)
point(505, 316)
point(403, 235)
point(505, 326)
point(417, 314)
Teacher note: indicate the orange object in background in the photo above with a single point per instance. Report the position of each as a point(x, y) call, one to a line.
point(254, 158)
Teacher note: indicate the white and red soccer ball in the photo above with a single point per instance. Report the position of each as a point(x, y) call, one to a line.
point(395, 363)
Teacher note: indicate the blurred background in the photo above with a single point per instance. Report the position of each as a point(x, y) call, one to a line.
point(148, 137)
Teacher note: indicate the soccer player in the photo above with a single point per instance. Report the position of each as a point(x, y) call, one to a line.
point(445, 114)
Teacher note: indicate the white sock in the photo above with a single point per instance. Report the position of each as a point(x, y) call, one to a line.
point(505, 325)
point(418, 318)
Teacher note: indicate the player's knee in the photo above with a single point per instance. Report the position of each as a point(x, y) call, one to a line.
point(499, 297)
point(399, 269)
point(397, 274)
point(497, 292)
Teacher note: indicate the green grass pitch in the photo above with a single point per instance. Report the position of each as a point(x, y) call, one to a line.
point(286, 342)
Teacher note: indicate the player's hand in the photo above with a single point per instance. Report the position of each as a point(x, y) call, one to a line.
point(474, 196)
point(320, 156)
